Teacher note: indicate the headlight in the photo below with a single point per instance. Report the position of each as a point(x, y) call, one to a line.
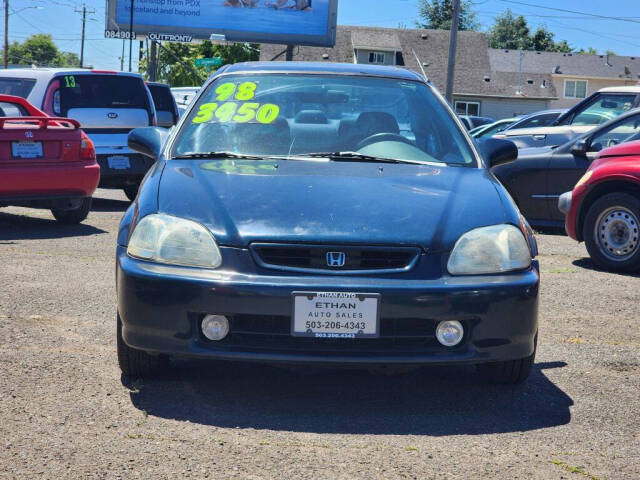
point(494, 249)
point(176, 241)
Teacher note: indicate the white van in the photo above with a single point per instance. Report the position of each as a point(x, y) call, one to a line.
point(107, 104)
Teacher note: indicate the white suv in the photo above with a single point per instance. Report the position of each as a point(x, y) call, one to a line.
point(107, 104)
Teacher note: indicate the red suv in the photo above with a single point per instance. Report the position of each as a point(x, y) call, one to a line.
point(45, 162)
point(603, 210)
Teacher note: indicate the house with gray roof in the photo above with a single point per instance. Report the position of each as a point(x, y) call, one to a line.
point(488, 82)
point(574, 75)
point(478, 90)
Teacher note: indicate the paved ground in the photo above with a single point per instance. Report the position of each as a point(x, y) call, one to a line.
point(66, 412)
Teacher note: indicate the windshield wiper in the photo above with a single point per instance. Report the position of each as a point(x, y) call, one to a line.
point(214, 155)
point(355, 156)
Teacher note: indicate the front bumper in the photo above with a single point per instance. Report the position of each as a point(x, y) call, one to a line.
point(161, 308)
point(568, 204)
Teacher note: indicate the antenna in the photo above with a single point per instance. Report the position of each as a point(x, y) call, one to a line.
point(420, 65)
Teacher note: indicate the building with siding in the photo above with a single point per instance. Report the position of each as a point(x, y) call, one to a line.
point(574, 75)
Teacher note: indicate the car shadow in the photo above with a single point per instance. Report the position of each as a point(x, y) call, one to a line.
point(430, 401)
point(588, 264)
point(109, 205)
point(24, 227)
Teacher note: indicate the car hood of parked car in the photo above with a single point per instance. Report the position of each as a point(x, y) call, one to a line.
point(244, 201)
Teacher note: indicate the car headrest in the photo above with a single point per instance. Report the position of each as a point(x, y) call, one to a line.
point(316, 117)
point(370, 123)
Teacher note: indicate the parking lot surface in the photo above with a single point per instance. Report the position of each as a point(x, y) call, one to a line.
point(66, 412)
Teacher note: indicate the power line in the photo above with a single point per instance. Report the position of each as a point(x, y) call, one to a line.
point(621, 19)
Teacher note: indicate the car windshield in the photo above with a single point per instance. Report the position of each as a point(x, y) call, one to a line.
point(296, 115)
point(162, 97)
point(98, 91)
point(606, 107)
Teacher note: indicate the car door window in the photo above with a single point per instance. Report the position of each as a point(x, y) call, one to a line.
point(604, 108)
point(12, 110)
point(621, 132)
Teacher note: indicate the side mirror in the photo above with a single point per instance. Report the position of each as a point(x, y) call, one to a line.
point(496, 151)
point(148, 140)
point(580, 148)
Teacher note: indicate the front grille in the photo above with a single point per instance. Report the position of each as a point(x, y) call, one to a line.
point(315, 258)
point(264, 333)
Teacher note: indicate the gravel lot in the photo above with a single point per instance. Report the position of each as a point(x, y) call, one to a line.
point(65, 411)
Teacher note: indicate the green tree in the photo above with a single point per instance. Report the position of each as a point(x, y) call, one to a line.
point(512, 32)
point(40, 50)
point(509, 32)
point(436, 15)
point(176, 66)
point(588, 51)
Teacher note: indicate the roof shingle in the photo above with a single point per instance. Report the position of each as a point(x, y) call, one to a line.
point(473, 67)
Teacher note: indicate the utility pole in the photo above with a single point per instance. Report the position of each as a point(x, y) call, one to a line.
point(453, 45)
point(519, 92)
point(131, 35)
point(152, 61)
point(84, 21)
point(6, 34)
point(122, 56)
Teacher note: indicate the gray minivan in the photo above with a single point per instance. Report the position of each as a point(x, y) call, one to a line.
point(107, 104)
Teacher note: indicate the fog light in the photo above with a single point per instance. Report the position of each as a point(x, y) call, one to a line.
point(449, 333)
point(215, 327)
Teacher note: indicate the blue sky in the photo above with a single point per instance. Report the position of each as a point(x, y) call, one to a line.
point(57, 17)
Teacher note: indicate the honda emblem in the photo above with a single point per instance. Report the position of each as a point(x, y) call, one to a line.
point(336, 259)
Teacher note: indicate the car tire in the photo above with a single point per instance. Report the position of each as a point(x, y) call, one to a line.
point(510, 372)
point(136, 363)
point(131, 191)
point(616, 219)
point(75, 215)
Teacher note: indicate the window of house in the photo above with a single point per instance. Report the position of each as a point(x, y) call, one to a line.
point(575, 88)
point(376, 57)
point(467, 108)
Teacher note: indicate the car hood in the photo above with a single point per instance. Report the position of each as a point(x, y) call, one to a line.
point(244, 201)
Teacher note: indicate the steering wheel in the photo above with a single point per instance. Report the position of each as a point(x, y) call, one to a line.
point(383, 137)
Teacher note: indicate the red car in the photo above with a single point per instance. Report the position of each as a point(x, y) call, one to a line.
point(45, 162)
point(603, 210)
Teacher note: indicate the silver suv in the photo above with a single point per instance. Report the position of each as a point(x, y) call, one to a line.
point(107, 104)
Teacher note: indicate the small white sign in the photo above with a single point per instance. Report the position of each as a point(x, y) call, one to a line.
point(119, 163)
point(26, 149)
point(335, 315)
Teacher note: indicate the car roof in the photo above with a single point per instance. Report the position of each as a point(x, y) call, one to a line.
point(44, 73)
point(545, 112)
point(322, 67)
point(625, 89)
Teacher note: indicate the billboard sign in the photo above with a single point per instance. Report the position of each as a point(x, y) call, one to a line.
point(293, 22)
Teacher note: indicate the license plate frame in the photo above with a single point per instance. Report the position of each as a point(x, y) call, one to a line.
point(119, 162)
point(27, 150)
point(329, 330)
